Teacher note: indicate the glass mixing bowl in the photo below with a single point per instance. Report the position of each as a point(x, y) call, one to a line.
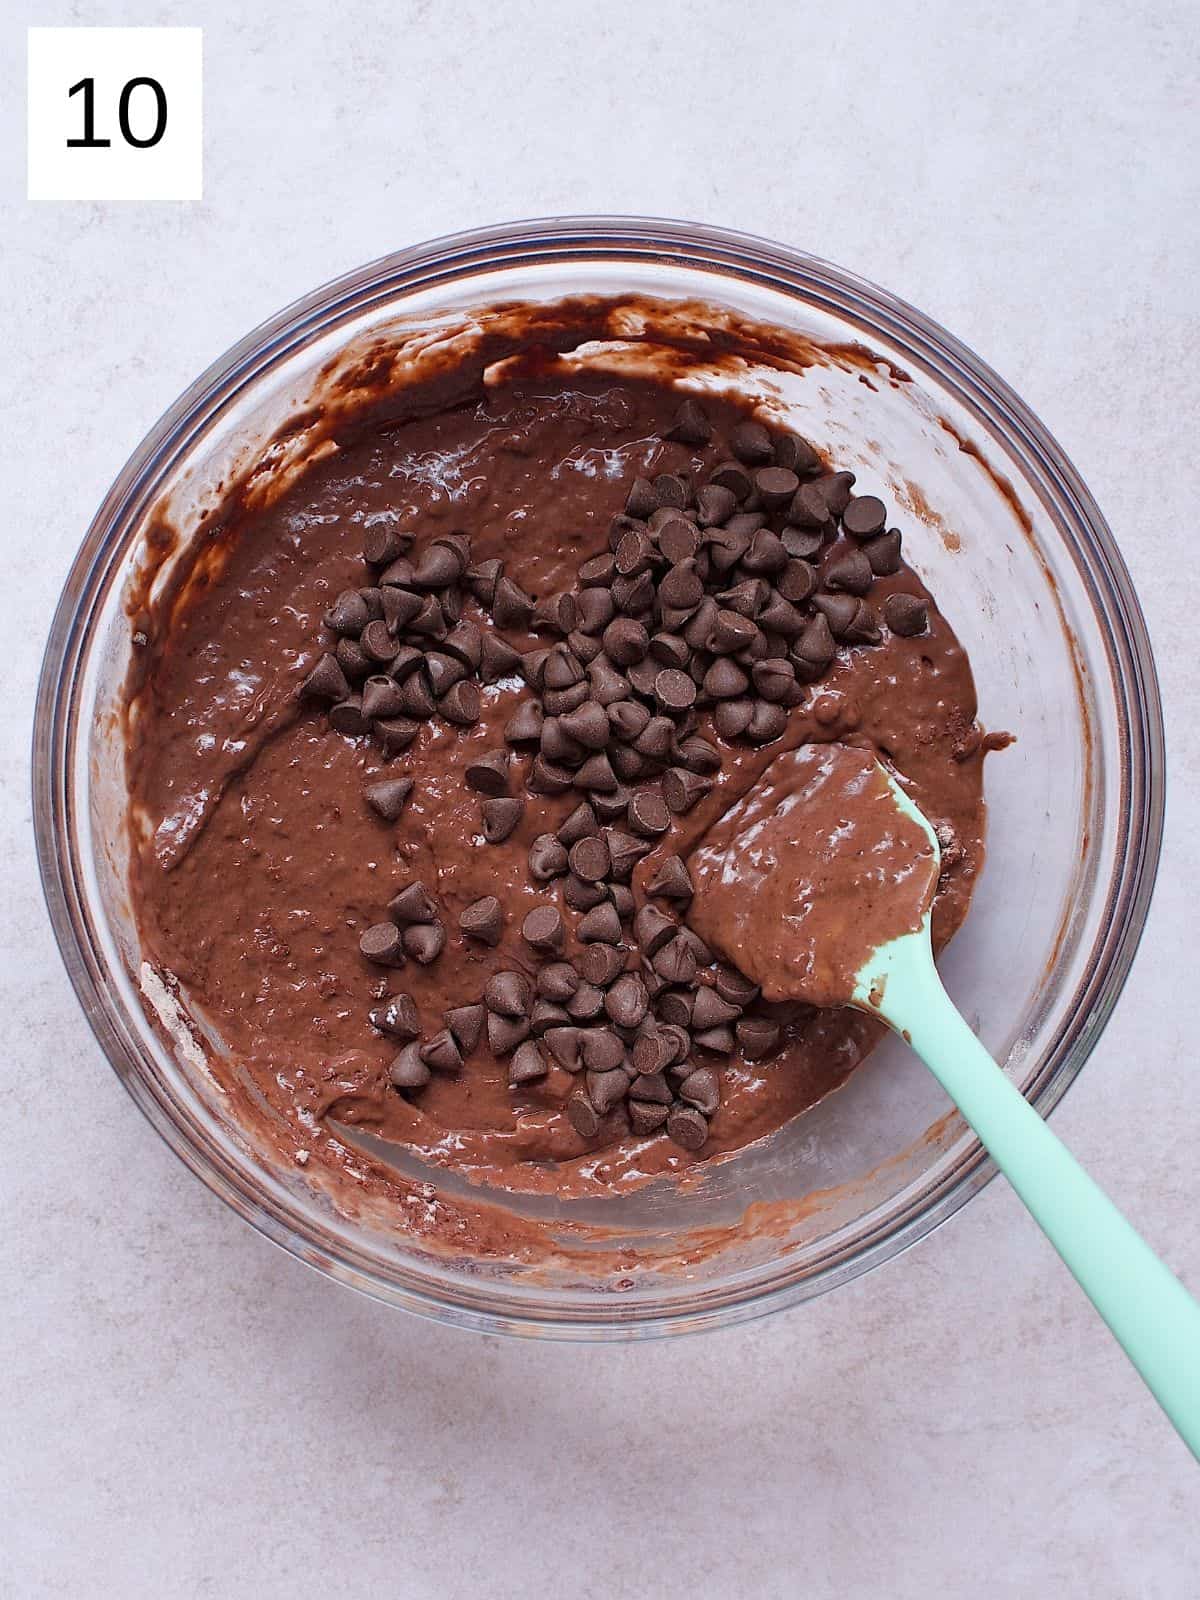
point(998, 523)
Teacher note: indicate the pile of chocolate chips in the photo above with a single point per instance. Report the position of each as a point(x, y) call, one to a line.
point(707, 600)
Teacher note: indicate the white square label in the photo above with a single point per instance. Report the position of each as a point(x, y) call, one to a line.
point(115, 114)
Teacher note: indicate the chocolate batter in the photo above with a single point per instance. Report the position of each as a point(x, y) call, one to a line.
point(810, 872)
point(258, 866)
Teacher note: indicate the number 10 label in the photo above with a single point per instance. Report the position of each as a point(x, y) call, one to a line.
point(115, 114)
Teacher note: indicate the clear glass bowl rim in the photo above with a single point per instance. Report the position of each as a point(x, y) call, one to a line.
point(926, 345)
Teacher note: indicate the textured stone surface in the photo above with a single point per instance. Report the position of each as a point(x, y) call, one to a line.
point(188, 1412)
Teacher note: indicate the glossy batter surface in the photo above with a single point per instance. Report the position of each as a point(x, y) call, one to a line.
point(258, 865)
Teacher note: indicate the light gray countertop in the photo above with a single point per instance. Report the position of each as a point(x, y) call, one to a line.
point(189, 1412)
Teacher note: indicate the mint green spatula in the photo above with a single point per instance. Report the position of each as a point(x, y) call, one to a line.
point(773, 849)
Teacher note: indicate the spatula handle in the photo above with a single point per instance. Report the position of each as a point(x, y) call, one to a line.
point(1152, 1315)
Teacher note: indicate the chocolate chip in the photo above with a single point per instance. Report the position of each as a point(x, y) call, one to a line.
point(625, 641)
point(606, 1089)
point(504, 1034)
point(621, 895)
point(802, 543)
point(906, 614)
point(347, 717)
point(396, 1016)
point(601, 1049)
point(735, 987)
point(757, 1037)
point(850, 573)
point(487, 773)
point(462, 705)
point(512, 608)
point(381, 945)
point(527, 1064)
point(687, 1127)
point(500, 817)
point(751, 443)
point(716, 503)
point(682, 789)
point(546, 777)
point(673, 489)
point(883, 553)
point(675, 1012)
point(326, 681)
point(624, 851)
point(596, 773)
point(352, 659)
point(674, 690)
point(443, 672)
point(424, 941)
point(732, 718)
point(555, 613)
point(582, 1115)
point(557, 981)
point(731, 632)
point(387, 798)
point(656, 738)
point(416, 697)
point(601, 924)
point(466, 1024)
point(645, 1117)
point(719, 1040)
point(497, 659)
point(816, 644)
point(672, 880)
point(547, 858)
point(546, 1015)
point(767, 554)
point(382, 545)
point(676, 962)
point(525, 724)
point(710, 1011)
point(641, 501)
point(607, 684)
point(483, 920)
point(796, 454)
point(691, 425)
point(839, 610)
point(652, 929)
point(589, 859)
point(543, 928)
point(649, 814)
point(776, 486)
point(774, 681)
point(702, 1090)
point(682, 589)
point(797, 582)
point(395, 735)
point(442, 1052)
point(563, 1045)
point(864, 516)
point(864, 626)
point(586, 1004)
point(679, 539)
point(601, 963)
point(767, 723)
point(378, 643)
point(781, 617)
point(348, 615)
point(382, 697)
point(412, 904)
point(611, 807)
point(698, 755)
point(407, 1070)
point(627, 1002)
point(581, 895)
point(509, 993)
point(400, 606)
point(481, 578)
